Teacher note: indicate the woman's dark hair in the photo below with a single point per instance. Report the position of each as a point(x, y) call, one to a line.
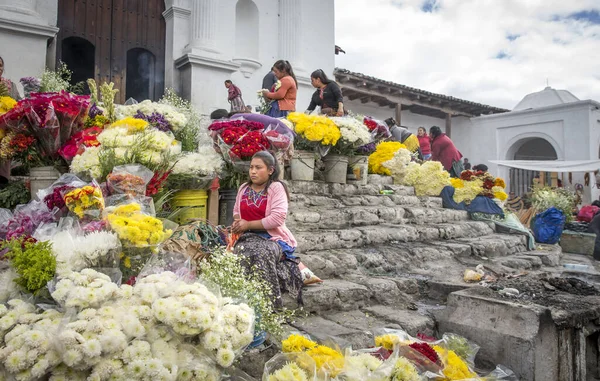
point(481, 167)
point(422, 128)
point(435, 131)
point(219, 114)
point(271, 162)
point(320, 74)
point(2, 59)
point(285, 67)
point(228, 81)
point(390, 122)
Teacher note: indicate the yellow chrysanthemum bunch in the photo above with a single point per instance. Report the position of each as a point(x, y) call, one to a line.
point(6, 104)
point(457, 183)
point(499, 193)
point(404, 370)
point(297, 343)
point(384, 151)
point(387, 341)
point(428, 179)
point(327, 359)
point(87, 200)
point(133, 125)
point(499, 182)
point(468, 191)
point(138, 229)
point(455, 367)
point(315, 128)
point(290, 372)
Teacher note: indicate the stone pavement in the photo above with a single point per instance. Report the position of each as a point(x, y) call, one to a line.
point(388, 261)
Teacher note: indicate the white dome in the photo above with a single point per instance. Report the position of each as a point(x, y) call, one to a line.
point(545, 98)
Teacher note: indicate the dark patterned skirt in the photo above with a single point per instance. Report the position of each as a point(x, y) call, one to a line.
point(265, 257)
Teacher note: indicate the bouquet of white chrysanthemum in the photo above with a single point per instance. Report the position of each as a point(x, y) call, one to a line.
point(398, 165)
point(353, 131)
point(363, 365)
point(154, 286)
point(98, 249)
point(28, 351)
point(84, 289)
point(189, 309)
point(231, 333)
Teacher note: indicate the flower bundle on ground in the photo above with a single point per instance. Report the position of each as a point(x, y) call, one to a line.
point(546, 198)
point(384, 152)
point(478, 183)
point(428, 178)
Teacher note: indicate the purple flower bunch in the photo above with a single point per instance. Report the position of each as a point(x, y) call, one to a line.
point(26, 220)
point(156, 120)
point(94, 111)
point(367, 149)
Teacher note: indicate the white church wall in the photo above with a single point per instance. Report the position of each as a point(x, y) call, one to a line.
point(25, 27)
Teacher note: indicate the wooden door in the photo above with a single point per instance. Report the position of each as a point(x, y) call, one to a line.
point(125, 40)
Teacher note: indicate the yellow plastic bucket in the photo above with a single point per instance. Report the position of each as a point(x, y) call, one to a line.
point(194, 202)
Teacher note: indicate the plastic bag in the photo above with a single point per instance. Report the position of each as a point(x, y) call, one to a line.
point(231, 332)
point(295, 362)
point(547, 226)
point(116, 200)
point(130, 179)
point(280, 137)
point(53, 195)
point(365, 365)
point(586, 213)
point(26, 219)
point(464, 348)
point(177, 263)
point(379, 130)
point(85, 202)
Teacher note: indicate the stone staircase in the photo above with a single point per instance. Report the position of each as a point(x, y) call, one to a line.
point(387, 260)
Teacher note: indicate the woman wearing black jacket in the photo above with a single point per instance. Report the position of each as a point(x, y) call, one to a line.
point(328, 95)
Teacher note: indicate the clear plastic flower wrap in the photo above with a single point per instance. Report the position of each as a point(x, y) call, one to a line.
point(297, 366)
point(464, 348)
point(179, 264)
point(130, 179)
point(112, 202)
point(83, 289)
point(280, 137)
point(365, 364)
point(26, 219)
point(53, 195)
point(230, 333)
point(85, 202)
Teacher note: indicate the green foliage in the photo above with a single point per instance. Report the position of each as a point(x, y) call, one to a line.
point(60, 79)
point(34, 263)
point(232, 178)
point(108, 93)
point(189, 134)
point(545, 197)
point(162, 205)
point(93, 90)
point(225, 269)
point(13, 194)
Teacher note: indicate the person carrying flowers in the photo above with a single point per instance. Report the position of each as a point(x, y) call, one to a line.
point(266, 244)
point(444, 151)
point(283, 100)
point(328, 95)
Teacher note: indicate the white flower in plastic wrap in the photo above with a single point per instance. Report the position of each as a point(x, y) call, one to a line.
point(158, 140)
point(8, 287)
point(196, 164)
point(85, 289)
point(92, 246)
point(88, 162)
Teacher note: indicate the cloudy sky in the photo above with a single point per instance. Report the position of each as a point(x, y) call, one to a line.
point(489, 51)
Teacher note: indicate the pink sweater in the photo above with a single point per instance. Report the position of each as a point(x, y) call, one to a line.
point(277, 208)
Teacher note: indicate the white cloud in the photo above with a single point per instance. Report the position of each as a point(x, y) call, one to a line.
point(454, 50)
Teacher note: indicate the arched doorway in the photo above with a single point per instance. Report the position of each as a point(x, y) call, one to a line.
point(115, 28)
point(79, 56)
point(535, 149)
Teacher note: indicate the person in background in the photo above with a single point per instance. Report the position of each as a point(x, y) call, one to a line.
point(267, 245)
point(514, 203)
point(269, 80)
point(403, 135)
point(284, 99)
point(424, 143)
point(328, 95)
point(481, 167)
point(234, 96)
point(466, 164)
point(444, 151)
point(219, 114)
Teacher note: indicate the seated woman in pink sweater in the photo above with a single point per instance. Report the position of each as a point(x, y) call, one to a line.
point(267, 245)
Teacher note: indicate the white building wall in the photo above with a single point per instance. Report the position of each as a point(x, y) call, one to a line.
point(567, 127)
point(25, 27)
point(201, 73)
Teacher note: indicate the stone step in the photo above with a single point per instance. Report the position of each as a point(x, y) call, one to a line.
point(383, 233)
point(300, 200)
point(334, 189)
point(315, 218)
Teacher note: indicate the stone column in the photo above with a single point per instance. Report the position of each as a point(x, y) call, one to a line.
point(204, 25)
point(177, 18)
point(290, 22)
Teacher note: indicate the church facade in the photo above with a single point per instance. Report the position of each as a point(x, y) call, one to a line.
point(192, 46)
